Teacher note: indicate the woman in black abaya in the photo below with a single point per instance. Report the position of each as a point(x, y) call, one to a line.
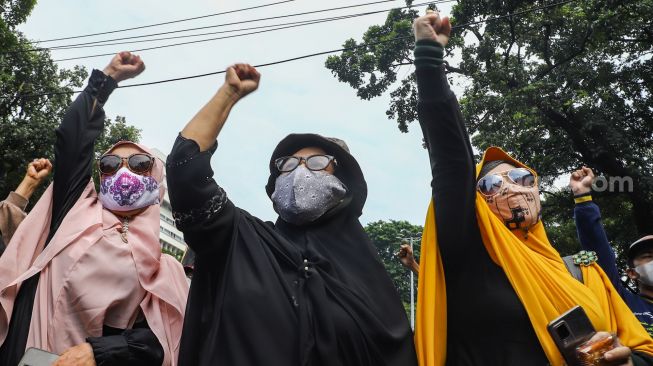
point(306, 290)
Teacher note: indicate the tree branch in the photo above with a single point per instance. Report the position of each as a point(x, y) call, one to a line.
point(478, 35)
point(506, 55)
point(580, 50)
point(547, 45)
point(453, 69)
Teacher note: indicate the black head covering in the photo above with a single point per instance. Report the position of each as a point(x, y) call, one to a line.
point(347, 170)
point(286, 295)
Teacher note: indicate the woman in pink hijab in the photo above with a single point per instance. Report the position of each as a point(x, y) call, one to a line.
point(84, 277)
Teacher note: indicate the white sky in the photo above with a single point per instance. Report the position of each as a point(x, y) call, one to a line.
point(300, 96)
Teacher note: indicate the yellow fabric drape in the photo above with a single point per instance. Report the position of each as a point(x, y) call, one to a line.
point(536, 273)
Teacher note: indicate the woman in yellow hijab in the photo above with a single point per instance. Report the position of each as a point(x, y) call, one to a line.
point(490, 281)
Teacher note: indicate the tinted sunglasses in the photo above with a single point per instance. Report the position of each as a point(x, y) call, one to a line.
point(490, 184)
point(287, 164)
point(138, 163)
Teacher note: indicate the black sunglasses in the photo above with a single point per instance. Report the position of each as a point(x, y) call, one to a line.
point(490, 184)
point(138, 163)
point(287, 164)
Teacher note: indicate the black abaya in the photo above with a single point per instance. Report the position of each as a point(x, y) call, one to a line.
point(279, 294)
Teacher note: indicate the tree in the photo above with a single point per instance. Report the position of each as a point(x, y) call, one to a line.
point(28, 118)
point(387, 236)
point(558, 88)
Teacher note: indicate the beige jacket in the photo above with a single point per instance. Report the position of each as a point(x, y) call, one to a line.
point(12, 213)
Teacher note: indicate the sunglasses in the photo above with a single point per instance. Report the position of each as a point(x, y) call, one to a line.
point(287, 164)
point(490, 184)
point(138, 163)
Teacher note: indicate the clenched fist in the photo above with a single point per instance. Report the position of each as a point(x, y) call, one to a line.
point(407, 258)
point(432, 26)
point(38, 169)
point(581, 180)
point(123, 66)
point(241, 79)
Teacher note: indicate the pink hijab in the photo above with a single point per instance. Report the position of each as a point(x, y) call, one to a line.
point(89, 277)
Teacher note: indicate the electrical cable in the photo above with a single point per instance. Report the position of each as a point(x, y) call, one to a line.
point(544, 7)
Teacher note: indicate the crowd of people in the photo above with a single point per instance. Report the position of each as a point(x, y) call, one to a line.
point(83, 277)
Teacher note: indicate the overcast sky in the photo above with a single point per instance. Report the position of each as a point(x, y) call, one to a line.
point(300, 96)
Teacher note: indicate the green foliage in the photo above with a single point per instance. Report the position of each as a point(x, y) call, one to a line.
point(373, 69)
point(557, 88)
point(387, 236)
point(175, 254)
point(28, 122)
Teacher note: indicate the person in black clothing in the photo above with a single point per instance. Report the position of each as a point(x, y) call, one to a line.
point(487, 321)
point(77, 279)
point(308, 289)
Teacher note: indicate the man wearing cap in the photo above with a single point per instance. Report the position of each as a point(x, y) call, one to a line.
point(306, 290)
point(592, 237)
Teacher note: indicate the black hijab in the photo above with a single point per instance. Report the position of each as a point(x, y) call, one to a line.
point(289, 295)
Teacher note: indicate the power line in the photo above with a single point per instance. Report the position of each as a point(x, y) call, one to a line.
point(544, 7)
point(211, 26)
point(165, 23)
point(293, 25)
point(93, 44)
point(101, 43)
point(311, 21)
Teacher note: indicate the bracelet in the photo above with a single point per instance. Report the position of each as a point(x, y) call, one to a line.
point(583, 198)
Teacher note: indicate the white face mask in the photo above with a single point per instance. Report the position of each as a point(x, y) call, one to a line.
point(645, 272)
point(126, 191)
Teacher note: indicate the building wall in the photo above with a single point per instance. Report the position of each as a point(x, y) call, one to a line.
point(171, 239)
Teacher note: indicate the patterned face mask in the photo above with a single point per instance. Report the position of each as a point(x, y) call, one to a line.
point(303, 195)
point(126, 191)
point(517, 206)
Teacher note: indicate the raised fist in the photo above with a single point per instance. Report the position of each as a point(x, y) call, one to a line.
point(241, 79)
point(432, 26)
point(406, 256)
point(581, 180)
point(39, 169)
point(124, 66)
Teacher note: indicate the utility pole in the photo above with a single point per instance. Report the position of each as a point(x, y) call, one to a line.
point(407, 237)
point(412, 293)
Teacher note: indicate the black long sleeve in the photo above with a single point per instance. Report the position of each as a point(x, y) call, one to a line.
point(451, 156)
point(200, 207)
point(479, 295)
point(74, 149)
point(131, 347)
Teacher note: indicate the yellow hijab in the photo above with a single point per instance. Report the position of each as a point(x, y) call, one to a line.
point(538, 275)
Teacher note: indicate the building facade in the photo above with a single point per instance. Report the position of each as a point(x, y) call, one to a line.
point(171, 239)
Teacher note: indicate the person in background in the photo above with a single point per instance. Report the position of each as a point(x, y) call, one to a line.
point(12, 209)
point(407, 258)
point(592, 237)
point(188, 261)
